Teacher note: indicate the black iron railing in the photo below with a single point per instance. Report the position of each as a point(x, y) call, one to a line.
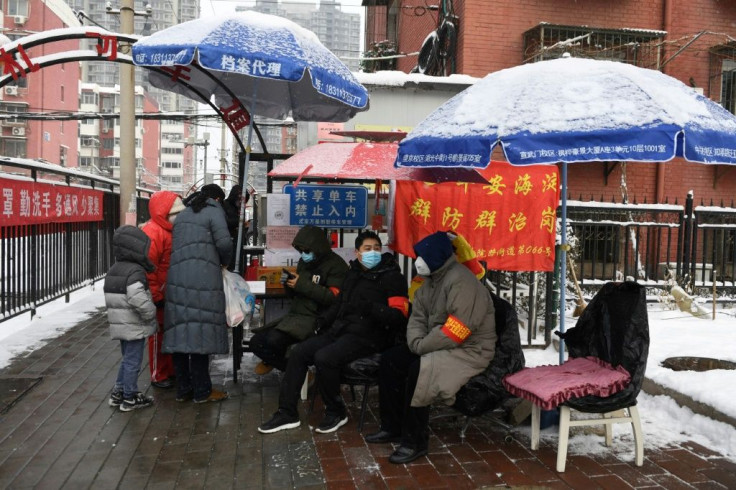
point(43, 262)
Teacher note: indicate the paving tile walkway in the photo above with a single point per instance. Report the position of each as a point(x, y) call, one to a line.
point(62, 434)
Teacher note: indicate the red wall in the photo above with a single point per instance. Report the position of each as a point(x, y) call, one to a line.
point(151, 144)
point(490, 39)
point(60, 93)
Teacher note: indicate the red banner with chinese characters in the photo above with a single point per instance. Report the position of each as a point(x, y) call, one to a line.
point(510, 222)
point(32, 203)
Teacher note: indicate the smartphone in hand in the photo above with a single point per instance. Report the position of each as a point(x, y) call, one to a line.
point(288, 273)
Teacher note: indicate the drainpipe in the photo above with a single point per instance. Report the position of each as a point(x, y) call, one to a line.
point(666, 25)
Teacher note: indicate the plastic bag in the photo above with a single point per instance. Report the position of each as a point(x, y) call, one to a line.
point(238, 299)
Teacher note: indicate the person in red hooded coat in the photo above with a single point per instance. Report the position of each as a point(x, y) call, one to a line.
point(163, 208)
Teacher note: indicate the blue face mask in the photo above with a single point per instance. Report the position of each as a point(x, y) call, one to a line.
point(370, 259)
point(308, 257)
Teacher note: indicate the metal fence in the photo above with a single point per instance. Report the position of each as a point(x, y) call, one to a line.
point(43, 262)
point(653, 244)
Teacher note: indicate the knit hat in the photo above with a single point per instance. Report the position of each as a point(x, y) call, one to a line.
point(435, 249)
point(177, 206)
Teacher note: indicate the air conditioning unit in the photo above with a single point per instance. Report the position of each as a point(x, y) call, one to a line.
point(20, 19)
point(11, 90)
point(19, 131)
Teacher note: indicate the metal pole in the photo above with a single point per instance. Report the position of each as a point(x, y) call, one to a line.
point(563, 260)
point(223, 152)
point(244, 183)
point(127, 123)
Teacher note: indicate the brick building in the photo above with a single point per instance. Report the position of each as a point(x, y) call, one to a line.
point(689, 40)
point(53, 89)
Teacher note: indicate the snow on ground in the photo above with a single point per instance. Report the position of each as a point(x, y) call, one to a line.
point(21, 335)
point(673, 333)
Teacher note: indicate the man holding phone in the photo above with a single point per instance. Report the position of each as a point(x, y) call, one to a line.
point(370, 312)
point(314, 287)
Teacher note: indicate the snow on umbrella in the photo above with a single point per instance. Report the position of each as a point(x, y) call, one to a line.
point(273, 66)
point(572, 110)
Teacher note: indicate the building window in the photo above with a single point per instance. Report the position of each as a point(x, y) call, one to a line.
point(86, 161)
point(14, 108)
point(14, 147)
point(89, 98)
point(638, 47)
point(722, 76)
point(63, 153)
point(18, 7)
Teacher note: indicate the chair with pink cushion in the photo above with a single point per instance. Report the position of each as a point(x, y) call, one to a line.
point(608, 350)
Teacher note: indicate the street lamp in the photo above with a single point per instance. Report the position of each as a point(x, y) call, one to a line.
point(205, 143)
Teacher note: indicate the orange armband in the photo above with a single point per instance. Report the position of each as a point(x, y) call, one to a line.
point(401, 303)
point(455, 330)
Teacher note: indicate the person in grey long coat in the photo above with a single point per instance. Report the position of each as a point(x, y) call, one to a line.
point(194, 315)
point(451, 337)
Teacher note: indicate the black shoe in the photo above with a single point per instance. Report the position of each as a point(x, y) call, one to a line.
point(331, 423)
point(165, 383)
point(139, 400)
point(116, 398)
point(279, 421)
point(382, 436)
point(185, 397)
point(405, 455)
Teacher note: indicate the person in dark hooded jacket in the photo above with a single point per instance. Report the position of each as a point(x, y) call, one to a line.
point(194, 315)
point(163, 208)
point(319, 276)
point(130, 312)
point(231, 206)
point(371, 309)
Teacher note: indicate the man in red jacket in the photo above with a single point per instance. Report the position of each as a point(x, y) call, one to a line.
point(163, 208)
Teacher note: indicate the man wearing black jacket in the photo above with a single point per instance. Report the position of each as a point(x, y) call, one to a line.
point(370, 310)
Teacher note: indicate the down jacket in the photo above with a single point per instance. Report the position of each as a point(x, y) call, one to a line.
point(130, 309)
point(452, 326)
point(158, 229)
point(373, 304)
point(318, 285)
point(194, 315)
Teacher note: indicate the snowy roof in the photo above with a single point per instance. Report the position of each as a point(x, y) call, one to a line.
point(390, 78)
point(63, 11)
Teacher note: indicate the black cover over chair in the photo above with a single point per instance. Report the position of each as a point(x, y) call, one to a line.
point(614, 328)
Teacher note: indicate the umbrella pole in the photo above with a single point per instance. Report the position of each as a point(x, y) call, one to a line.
point(244, 184)
point(563, 261)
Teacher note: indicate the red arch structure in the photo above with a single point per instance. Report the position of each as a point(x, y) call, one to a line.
point(17, 63)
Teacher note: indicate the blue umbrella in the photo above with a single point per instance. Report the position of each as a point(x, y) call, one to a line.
point(267, 64)
point(572, 110)
point(270, 63)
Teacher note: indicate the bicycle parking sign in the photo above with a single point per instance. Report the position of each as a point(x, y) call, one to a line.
point(332, 206)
